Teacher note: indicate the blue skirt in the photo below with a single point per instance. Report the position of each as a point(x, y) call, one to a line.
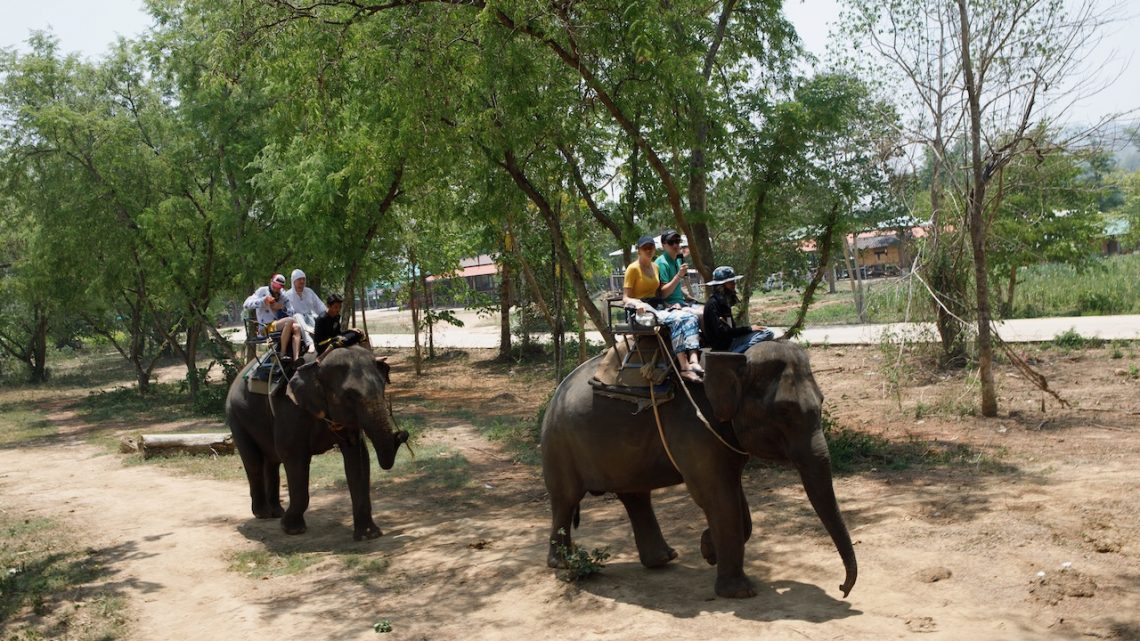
point(685, 329)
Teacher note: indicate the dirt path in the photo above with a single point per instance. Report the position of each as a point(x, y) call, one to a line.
point(948, 553)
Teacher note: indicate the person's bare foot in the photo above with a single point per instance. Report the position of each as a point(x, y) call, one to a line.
point(691, 376)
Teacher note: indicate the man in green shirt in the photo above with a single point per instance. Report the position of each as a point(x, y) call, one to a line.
point(671, 269)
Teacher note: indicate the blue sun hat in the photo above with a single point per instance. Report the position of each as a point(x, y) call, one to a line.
point(722, 275)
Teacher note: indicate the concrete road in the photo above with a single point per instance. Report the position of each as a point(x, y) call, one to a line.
point(1027, 330)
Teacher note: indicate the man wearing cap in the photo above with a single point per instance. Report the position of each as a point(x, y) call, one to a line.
point(671, 269)
point(721, 332)
point(275, 314)
point(640, 291)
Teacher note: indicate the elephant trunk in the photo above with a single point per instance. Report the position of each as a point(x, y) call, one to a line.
point(815, 473)
point(379, 431)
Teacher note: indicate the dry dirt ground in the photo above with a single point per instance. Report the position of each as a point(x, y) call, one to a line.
point(1020, 527)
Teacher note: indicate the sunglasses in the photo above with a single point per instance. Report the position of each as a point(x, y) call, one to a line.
point(675, 241)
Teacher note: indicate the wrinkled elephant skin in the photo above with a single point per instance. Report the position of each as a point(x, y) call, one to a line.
point(763, 403)
point(337, 402)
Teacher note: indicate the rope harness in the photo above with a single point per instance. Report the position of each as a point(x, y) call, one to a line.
point(700, 415)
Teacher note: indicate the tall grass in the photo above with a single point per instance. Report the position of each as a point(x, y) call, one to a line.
point(1109, 285)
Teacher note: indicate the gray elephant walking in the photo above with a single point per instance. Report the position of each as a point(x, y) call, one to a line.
point(762, 403)
point(336, 402)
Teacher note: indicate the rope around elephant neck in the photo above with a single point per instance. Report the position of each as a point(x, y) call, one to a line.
point(700, 415)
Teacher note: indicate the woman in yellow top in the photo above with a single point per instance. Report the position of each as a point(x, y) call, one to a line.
point(642, 282)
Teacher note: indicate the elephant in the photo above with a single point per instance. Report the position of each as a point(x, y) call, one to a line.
point(764, 403)
point(336, 401)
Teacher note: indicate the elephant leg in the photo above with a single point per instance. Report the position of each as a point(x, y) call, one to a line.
point(708, 550)
point(651, 546)
point(253, 461)
point(356, 470)
point(723, 542)
point(297, 473)
point(563, 508)
point(271, 473)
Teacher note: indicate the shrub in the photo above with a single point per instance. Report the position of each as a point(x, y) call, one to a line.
point(580, 563)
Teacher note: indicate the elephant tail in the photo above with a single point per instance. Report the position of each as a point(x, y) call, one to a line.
point(577, 515)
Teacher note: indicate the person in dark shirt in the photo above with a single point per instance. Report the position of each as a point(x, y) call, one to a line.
point(721, 332)
point(327, 332)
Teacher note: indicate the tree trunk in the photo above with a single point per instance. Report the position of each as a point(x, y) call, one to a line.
point(824, 243)
point(39, 345)
point(429, 308)
point(853, 278)
point(418, 350)
point(1007, 306)
point(505, 303)
point(753, 266)
point(152, 445)
point(579, 310)
point(364, 313)
point(565, 261)
point(976, 204)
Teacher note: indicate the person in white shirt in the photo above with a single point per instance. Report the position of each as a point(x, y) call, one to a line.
point(306, 305)
point(301, 298)
point(275, 315)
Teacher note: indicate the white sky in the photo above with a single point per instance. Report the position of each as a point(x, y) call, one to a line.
point(90, 26)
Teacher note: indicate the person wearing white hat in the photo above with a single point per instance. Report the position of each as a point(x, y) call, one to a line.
point(303, 299)
point(307, 306)
point(721, 332)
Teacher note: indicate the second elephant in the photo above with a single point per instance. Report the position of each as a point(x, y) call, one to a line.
point(762, 403)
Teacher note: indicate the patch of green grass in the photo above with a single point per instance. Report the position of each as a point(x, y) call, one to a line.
point(434, 468)
point(125, 405)
point(856, 451)
point(221, 468)
point(263, 564)
point(364, 568)
point(1109, 285)
point(518, 436)
point(45, 585)
point(20, 425)
point(1106, 286)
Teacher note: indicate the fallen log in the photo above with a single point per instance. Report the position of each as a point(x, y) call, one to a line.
point(167, 444)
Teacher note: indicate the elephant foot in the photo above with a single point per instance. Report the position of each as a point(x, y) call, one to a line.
point(707, 549)
point(371, 531)
point(293, 527)
point(555, 560)
point(737, 587)
point(269, 512)
point(659, 559)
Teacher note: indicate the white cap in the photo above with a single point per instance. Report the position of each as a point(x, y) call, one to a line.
point(295, 275)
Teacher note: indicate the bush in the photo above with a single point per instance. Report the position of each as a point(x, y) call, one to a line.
point(580, 563)
point(1070, 339)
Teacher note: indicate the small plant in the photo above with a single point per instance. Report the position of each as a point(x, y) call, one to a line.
point(1070, 339)
point(580, 563)
point(1133, 372)
point(382, 626)
point(1117, 353)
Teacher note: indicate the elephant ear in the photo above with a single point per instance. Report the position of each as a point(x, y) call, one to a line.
point(384, 367)
point(306, 391)
point(724, 384)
